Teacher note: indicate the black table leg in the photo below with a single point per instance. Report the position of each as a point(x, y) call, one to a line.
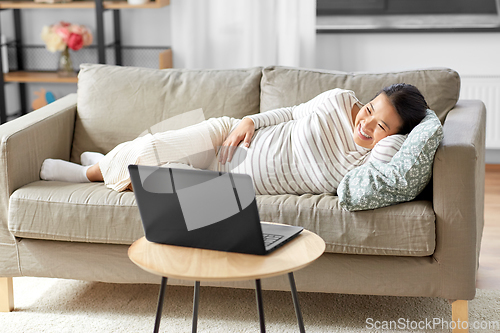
point(260, 305)
point(196, 301)
point(160, 303)
point(295, 298)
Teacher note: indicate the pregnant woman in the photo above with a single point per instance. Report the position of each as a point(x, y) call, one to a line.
point(301, 149)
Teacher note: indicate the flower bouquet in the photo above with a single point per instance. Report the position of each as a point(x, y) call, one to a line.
point(64, 36)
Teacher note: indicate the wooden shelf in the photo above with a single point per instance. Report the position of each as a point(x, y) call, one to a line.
point(27, 77)
point(122, 4)
point(37, 5)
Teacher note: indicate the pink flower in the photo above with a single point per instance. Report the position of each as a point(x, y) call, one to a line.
point(75, 41)
point(63, 32)
point(87, 38)
point(77, 29)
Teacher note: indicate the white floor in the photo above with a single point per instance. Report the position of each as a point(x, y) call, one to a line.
point(55, 305)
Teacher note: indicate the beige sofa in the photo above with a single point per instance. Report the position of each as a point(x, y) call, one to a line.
point(426, 247)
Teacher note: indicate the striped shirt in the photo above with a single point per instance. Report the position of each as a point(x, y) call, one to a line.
point(306, 148)
point(301, 149)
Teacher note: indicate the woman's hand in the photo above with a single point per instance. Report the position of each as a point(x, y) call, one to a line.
point(243, 132)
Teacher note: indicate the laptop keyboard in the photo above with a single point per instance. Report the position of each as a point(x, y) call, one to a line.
point(270, 239)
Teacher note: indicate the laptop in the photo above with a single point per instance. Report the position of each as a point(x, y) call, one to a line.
point(204, 209)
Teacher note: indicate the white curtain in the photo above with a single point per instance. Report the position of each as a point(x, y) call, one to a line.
point(243, 33)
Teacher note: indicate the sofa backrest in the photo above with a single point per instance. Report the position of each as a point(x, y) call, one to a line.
point(285, 86)
point(115, 104)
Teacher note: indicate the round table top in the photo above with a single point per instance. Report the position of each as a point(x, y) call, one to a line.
point(188, 263)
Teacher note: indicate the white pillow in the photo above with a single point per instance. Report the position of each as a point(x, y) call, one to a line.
point(386, 148)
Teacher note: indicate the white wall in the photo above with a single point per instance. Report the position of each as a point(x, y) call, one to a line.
point(467, 53)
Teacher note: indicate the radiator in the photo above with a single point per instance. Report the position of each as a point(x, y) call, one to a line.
point(487, 89)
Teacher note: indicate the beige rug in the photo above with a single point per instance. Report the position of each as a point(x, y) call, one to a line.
point(55, 305)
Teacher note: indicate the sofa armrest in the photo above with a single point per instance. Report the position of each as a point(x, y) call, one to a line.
point(458, 196)
point(27, 141)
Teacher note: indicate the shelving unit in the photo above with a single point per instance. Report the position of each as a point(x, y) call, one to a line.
point(22, 77)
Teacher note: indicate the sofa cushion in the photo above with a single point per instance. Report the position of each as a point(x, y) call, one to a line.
point(284, 86)
point(115, 104)
point(376, 184)
point(93, 213)
point(77, 212)
point(406, 229)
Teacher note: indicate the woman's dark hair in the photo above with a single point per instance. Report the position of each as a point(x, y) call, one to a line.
point(408, 102)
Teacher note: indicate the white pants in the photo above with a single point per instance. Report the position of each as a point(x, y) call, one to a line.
point(194, 146)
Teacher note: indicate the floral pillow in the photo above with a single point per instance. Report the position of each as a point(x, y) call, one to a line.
point(376, 184)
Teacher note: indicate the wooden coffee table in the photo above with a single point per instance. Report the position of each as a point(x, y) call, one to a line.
point(207, 265)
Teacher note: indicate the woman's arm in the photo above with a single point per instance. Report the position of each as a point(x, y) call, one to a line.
point(272, 117)
point(323, 103)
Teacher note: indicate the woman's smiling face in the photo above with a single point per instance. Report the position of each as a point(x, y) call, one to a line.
point(375, 121)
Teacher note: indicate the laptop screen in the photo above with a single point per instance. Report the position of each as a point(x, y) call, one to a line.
point(205, 197)
point(200, 208)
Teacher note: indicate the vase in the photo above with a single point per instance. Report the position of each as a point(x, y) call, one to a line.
point(65, 64)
